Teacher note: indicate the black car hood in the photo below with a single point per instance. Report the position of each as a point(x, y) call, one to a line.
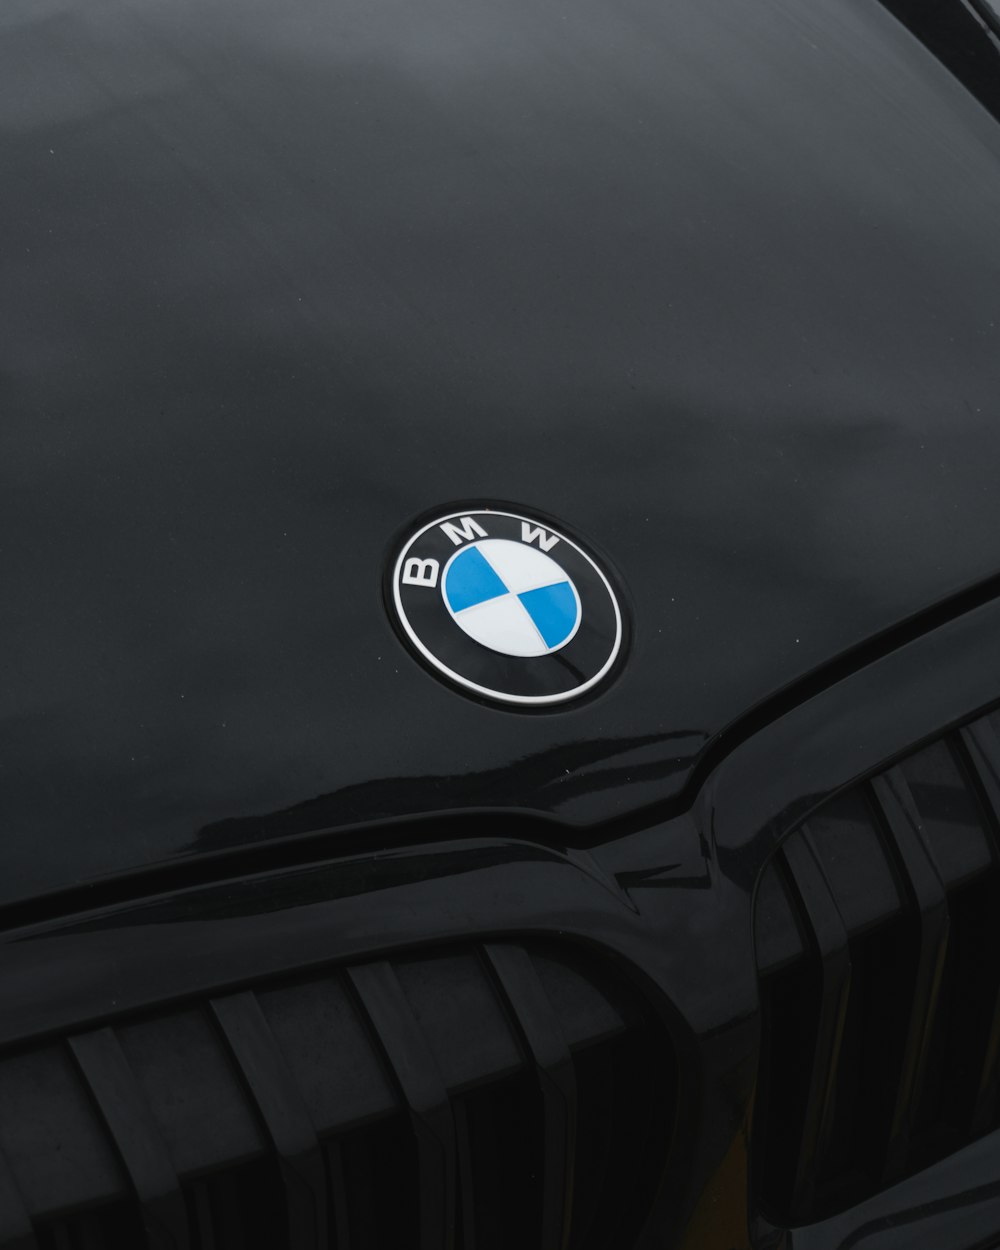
point(717, 285)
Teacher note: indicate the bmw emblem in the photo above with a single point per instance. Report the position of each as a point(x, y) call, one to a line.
point(507, 607)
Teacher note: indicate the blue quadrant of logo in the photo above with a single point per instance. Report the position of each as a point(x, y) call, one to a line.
point(553, 609)
point(471, 579)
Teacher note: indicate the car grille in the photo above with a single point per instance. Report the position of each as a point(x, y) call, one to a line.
point(481, 1097)
point(877, 938)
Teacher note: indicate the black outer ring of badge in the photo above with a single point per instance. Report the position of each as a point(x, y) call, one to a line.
point(522, 682)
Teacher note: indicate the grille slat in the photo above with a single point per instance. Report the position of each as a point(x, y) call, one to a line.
point(283, 1112)
point(931, 909)
point(831, 938)
point(426, 1096)
point(982, 747)
point(546, 1044)
point(136, 1136)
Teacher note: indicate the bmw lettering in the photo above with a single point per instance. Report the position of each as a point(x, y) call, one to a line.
point(507, 607)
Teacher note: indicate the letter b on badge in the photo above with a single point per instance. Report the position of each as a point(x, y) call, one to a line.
point(421, 572)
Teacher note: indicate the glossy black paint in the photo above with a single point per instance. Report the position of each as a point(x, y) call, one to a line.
point(716, 285)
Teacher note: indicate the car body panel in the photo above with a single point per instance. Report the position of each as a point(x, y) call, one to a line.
point(716, 286)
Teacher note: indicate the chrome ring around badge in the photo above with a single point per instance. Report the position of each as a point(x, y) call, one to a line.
point(507, 607)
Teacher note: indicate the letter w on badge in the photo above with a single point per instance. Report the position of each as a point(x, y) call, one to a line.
point(545, 540)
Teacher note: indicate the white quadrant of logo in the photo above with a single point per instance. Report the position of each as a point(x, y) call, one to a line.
point(511, 598)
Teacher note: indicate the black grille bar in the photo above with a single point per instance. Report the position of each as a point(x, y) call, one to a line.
point(830, 934)
point(425, 1094)
point(546, 1044)
point(930, 905)
point(284, 1113)
point(124, 1111)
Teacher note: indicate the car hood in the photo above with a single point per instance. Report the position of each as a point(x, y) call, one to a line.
point(717, 286)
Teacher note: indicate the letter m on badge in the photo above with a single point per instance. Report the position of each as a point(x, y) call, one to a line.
point(463, 531)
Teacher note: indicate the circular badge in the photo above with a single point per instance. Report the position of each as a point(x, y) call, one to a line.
point(507, 607)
